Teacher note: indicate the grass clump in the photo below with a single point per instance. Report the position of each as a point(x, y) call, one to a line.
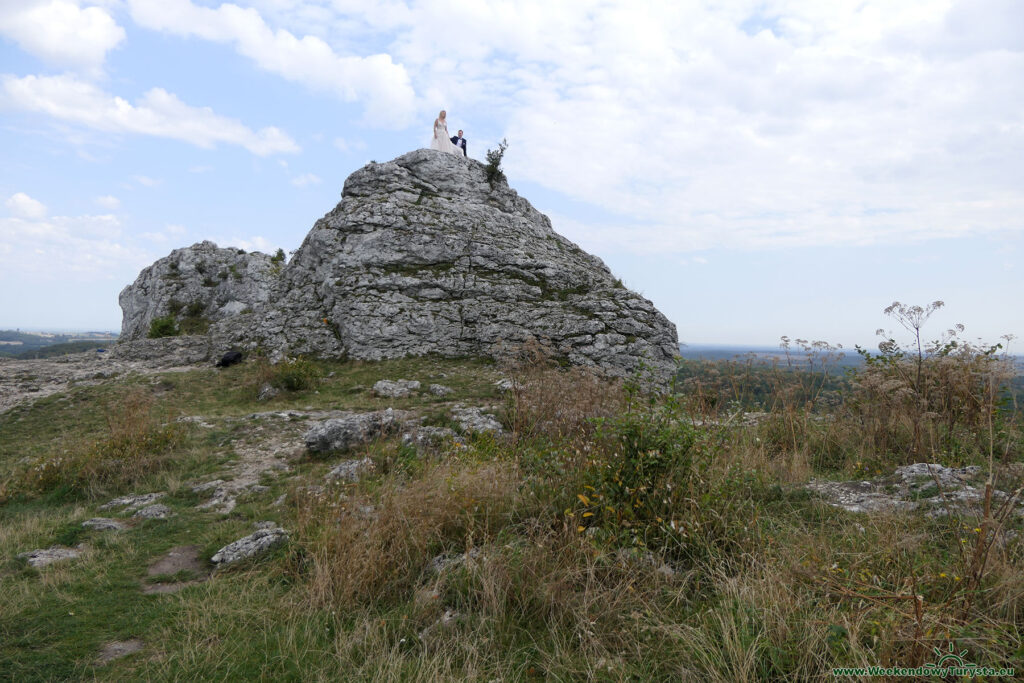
point(135, 443)
point(291, 374)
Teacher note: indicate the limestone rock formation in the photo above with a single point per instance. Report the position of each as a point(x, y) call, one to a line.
point(421, 256)
point(196, 285)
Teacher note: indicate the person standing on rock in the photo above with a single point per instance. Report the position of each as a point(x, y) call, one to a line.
point(441, 141)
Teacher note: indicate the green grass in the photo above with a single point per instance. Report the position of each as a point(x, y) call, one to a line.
point(766, 582)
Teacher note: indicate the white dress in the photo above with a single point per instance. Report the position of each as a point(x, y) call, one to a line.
point(442, 141)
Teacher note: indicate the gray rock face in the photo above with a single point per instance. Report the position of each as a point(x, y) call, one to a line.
point(421, 256)
point(198, 282)
point(344, 433)
point(249, 546)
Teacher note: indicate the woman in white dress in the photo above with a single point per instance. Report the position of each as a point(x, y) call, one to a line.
point(442, 141)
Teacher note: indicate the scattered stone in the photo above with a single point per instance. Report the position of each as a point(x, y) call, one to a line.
point(196, 420)
point(440, 390)
point(344, 433)
point(446, 561)
point(473, 419)
point(132, 502)
point(444, 622)
point(43, 557)
point(118, 649)
point(154, 512)
point(505, 385)
point(430, 437)
point(200, 488)
point(351, 470)
point(104, 524)
point(399, 388)
point(280, 500)
point(266, 524)
point(931, 487)
point(267, 392)
point(249, 546)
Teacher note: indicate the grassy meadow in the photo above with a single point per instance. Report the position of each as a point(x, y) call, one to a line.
point(609, 534)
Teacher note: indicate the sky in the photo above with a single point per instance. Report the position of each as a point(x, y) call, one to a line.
point(756, 168)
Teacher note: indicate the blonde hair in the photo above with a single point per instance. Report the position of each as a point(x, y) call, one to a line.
point(443, 114)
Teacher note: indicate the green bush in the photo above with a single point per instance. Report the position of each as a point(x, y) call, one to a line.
point(163, 327)
point(493, 166)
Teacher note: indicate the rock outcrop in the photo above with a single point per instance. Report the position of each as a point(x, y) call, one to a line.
point(421, 256)
point(196, 285)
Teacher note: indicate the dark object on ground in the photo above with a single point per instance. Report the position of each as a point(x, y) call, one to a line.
point(230, 358)
point(101, 350)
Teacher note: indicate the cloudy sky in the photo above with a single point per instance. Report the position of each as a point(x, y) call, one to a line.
point(757, 168)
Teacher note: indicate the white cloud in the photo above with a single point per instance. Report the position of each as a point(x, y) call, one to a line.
point(23, 206)
point(157, 237)
point(375, 80)
point(255, 243)
point(306, 179)
point(176, 229)
point(61, 32)
point(75, 248)
point(108, 202)
point(157, 113)
point(146, 181)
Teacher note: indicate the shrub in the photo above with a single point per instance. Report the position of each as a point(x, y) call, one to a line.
point(493, 166)
point(163, 327)
point(278, 257)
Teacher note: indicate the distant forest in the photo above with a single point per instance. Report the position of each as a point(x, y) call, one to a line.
point(18, 344)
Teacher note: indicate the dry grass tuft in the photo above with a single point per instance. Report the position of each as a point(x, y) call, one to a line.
point(365, 549)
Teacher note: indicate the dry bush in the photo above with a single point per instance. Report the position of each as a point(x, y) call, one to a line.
point(362, 551)
point(291, 374)
point(548, 400)
point(136, 443)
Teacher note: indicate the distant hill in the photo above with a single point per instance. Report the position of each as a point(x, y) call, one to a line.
point(18, 344)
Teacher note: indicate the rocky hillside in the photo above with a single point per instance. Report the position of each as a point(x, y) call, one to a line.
point(421, 256)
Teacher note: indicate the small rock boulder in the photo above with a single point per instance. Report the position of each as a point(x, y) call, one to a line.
point(154, 512)
point(440, 390)
point(351, 470)
point(399, 388)
point(345, 433)
point(45, 556)
point(249, 546)
point(473, 419)
point(104, 524)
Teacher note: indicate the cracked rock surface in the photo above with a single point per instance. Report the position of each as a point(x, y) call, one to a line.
point(931, 487)
point(421, 256)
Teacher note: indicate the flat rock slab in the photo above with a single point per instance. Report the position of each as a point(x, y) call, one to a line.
point(249, 546)
point(46, 556)
point(931, 487)
point(118, 649)
point(104, 524)
point(132, 502)
point(154, 512)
